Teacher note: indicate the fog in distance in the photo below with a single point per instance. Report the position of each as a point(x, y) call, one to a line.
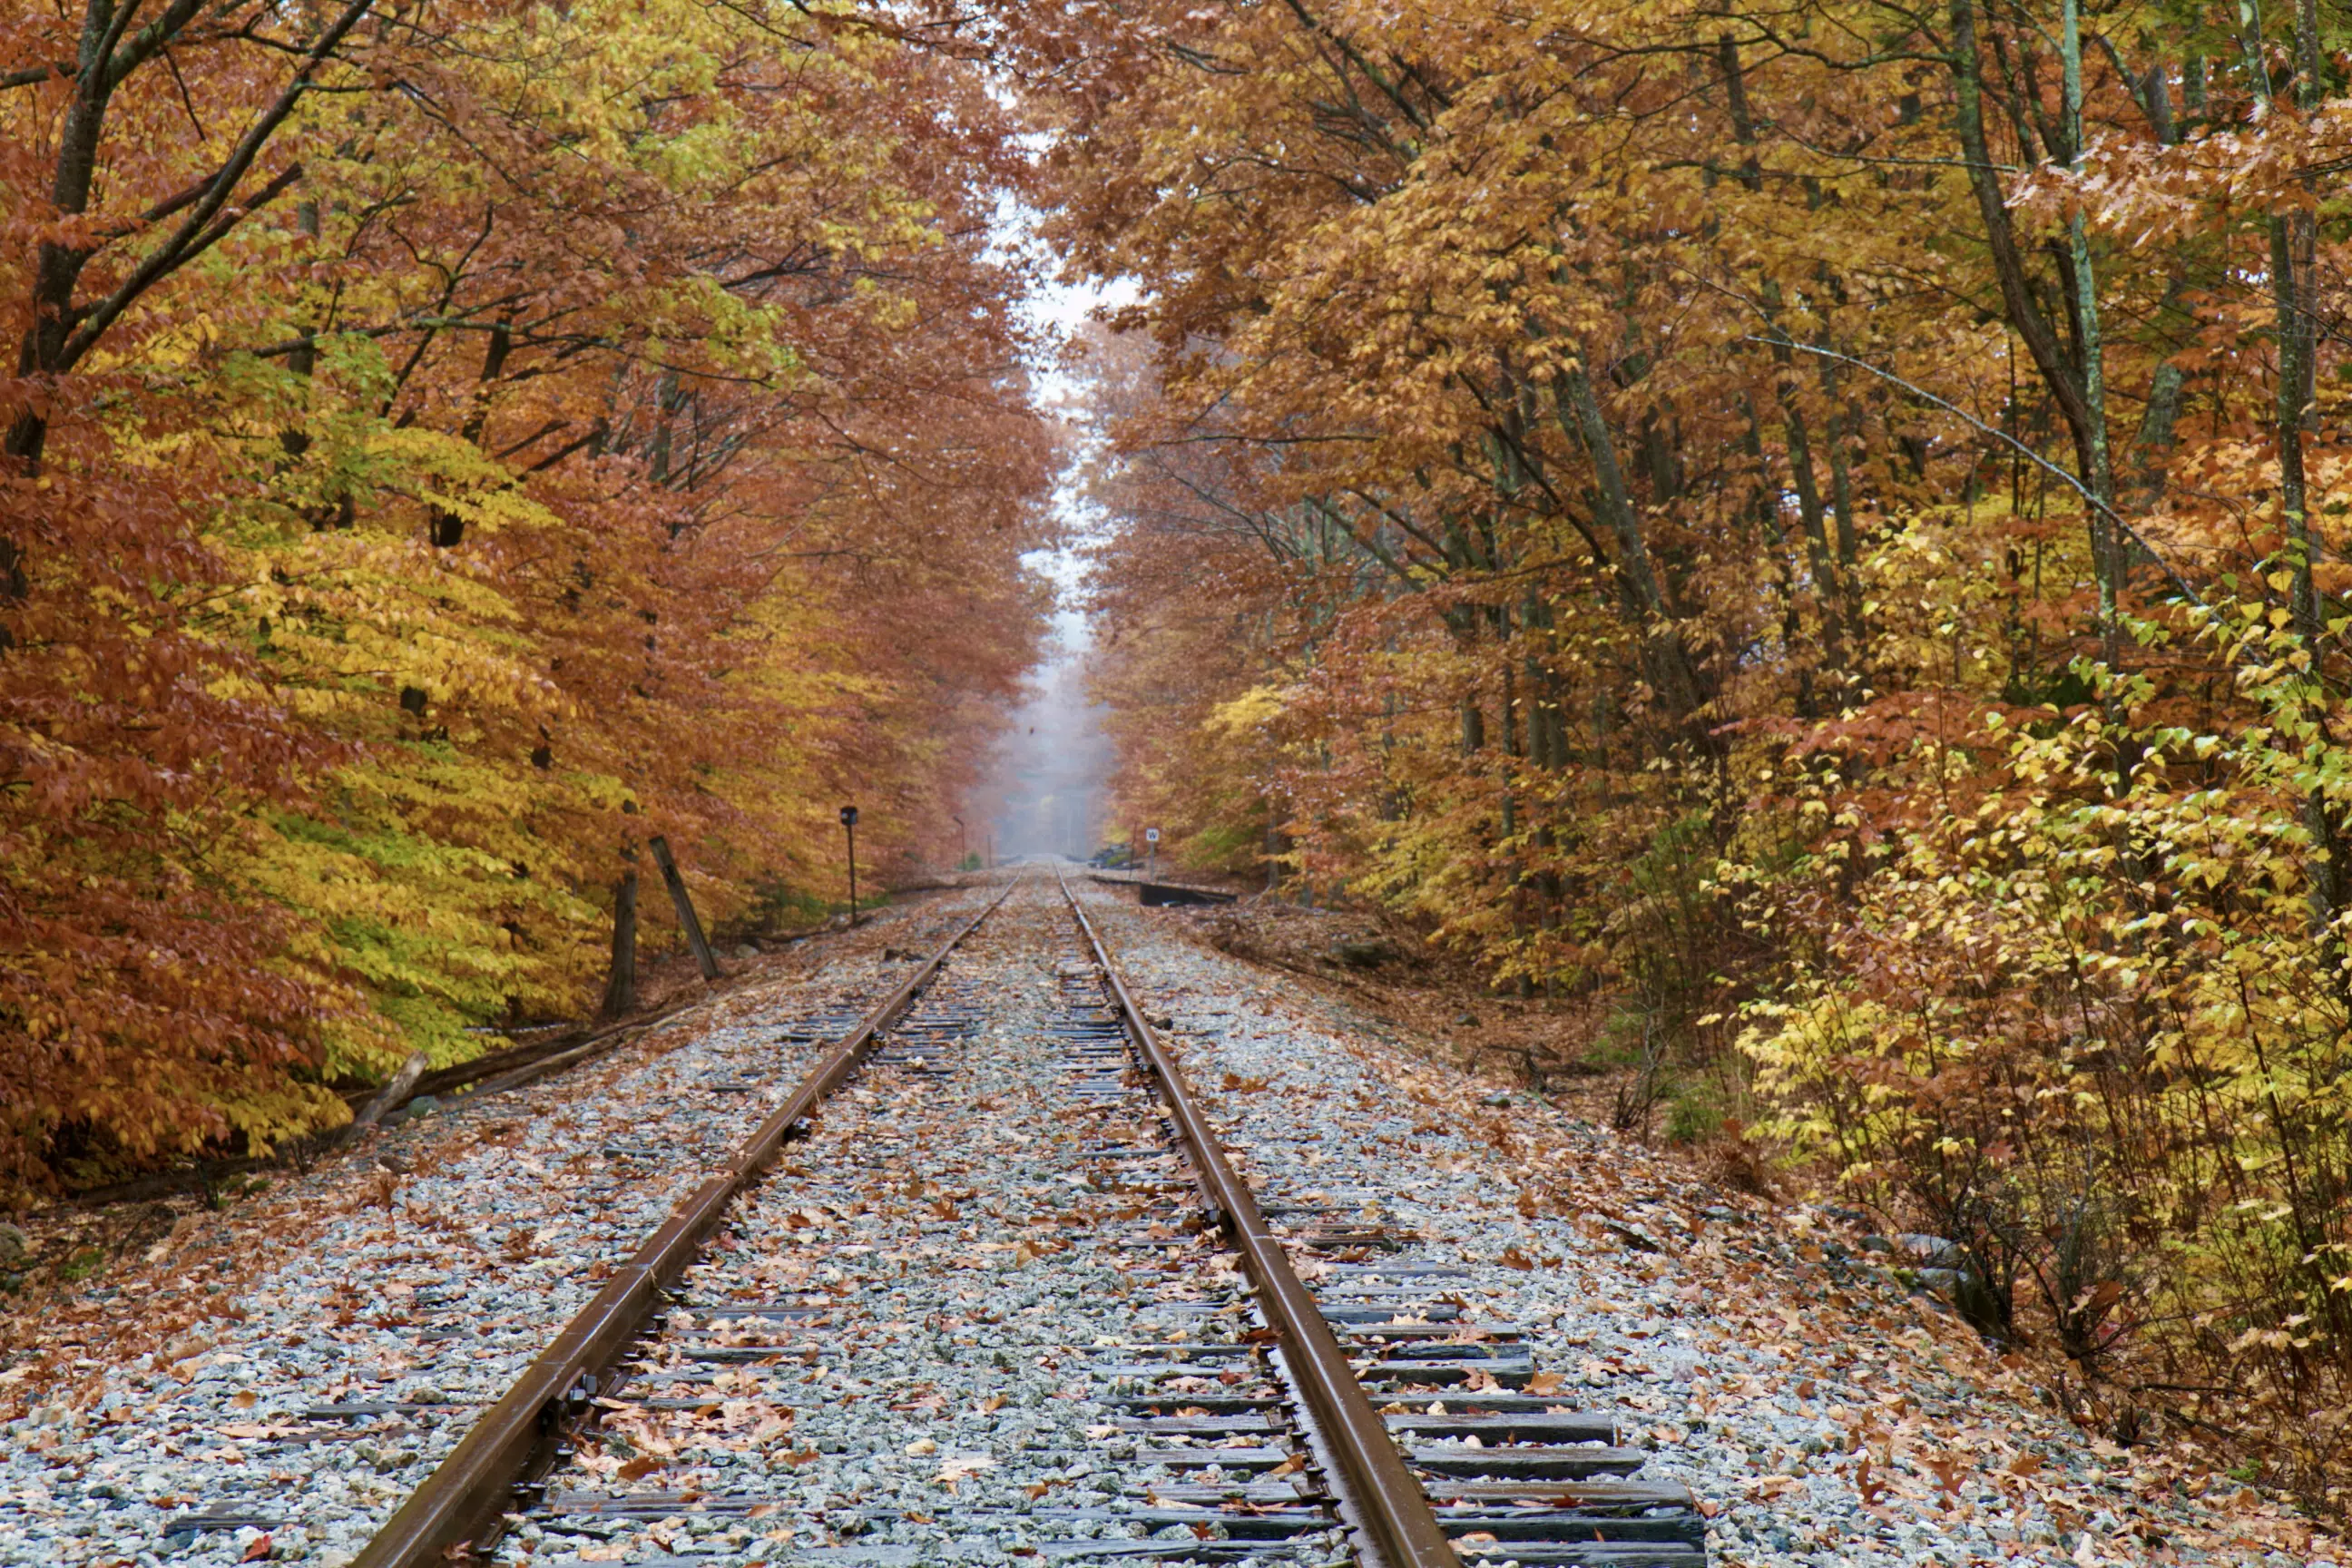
point(1048, 779)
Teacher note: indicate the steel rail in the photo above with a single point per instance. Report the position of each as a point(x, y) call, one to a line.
point(461, 1506)
point(1392, 1510)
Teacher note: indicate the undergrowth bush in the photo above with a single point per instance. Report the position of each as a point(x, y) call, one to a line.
point(2088, 1018)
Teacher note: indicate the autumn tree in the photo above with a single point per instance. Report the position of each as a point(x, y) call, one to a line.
point(451, 445)
point(1799, 532)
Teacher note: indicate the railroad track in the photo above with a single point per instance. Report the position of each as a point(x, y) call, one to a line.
point(870, 1355)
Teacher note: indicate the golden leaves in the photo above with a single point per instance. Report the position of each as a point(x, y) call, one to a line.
point(531, 478)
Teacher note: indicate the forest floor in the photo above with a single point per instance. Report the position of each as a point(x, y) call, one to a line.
point(88, 1240)
point(1372, 975)
point(1823, 1410)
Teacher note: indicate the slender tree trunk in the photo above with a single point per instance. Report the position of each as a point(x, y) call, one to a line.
point(621, 980)
point(56, 268)
point(1473, 725)
point(2294, 304)
point(2060, 375)
point(2108, 563)
point(1666, 663)
point(1845, 424)
point(683, 903)
point(445, 527)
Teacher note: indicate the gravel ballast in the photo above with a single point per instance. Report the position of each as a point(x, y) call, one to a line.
point(425, 1269)
point(1822, 1411)
point(913, 1342)
point(979, 1283)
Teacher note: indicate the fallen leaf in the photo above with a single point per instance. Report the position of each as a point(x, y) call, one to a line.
point(1546, 1383)
point(260, 1551)
point(181, 1350)
point(962, 1468)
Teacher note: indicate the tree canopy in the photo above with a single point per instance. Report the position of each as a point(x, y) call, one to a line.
point(1813, 531)
point(447, 445)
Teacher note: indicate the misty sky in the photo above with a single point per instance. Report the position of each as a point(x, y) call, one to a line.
point(1052, 765)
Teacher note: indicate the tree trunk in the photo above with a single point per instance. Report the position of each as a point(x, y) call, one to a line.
point(684, 905)
point(2107, 560)
point(621, 984)
point(2295, 302)
point(386, 1099)
point(2033, 328)
point(1666, 663)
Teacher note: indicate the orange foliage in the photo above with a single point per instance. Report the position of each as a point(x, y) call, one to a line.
point(447, 448)
point(1816, 529)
